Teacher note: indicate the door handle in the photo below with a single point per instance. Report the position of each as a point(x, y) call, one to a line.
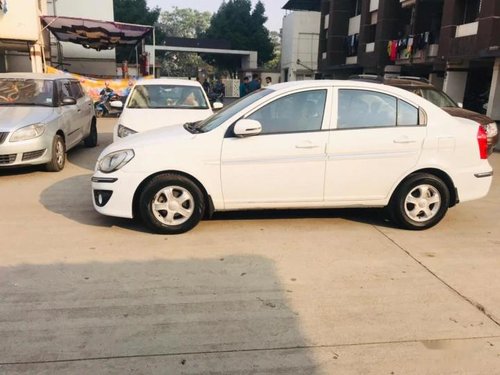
point(404, 140)
point(306, 144)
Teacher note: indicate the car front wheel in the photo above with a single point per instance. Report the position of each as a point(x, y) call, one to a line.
point(58, 158)
point(171, 204)
point(420, 202)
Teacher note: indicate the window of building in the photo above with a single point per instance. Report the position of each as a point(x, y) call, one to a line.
point(355, 8)
point(472, 10)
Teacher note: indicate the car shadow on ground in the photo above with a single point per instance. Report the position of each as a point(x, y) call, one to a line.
point(188, 316)
point(72, 199)
point(86, 157)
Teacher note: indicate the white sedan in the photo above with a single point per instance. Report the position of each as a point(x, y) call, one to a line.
point(308, 144)
point(162, 102)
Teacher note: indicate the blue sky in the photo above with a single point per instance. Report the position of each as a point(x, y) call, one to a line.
point(273, 8)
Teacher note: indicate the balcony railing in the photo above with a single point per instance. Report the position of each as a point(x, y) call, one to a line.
point(415, 48)
point(467, 29)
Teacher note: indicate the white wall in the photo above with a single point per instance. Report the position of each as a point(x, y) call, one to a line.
point(300, 40)
point(21, 22)
point(101, 10)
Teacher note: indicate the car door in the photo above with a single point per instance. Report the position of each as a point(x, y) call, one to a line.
point(283, 166)
point(71, 114)
point(84, 104)
point(377, 139)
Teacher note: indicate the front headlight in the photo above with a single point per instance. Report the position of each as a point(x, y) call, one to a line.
point(27, 132)
point(115, 160)
point(123, 131)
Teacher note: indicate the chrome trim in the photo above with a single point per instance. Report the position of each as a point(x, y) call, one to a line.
point(108, 180)
point(484, 174)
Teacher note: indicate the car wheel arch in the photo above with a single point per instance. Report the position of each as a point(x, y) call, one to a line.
point(445, 177)
point(208, 199)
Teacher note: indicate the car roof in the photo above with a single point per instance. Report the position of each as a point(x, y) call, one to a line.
point(169, 81)
point(41, 76)
point(324, 82)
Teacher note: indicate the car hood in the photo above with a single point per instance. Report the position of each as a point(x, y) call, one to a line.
point(151, 138)
point(14, 117)
point(142, 120)
point(469, 115)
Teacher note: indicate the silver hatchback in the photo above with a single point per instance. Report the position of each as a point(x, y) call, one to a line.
point(41, 117)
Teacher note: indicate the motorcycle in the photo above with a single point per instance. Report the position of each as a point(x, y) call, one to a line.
point(109, 104)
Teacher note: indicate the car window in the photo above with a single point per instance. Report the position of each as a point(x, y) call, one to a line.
point(167, 96)
point(64, 89)
point(370, 109)
point(76, 89)
point(407, 114)
point(439, 98)
point(296, 112)
point(365, 109)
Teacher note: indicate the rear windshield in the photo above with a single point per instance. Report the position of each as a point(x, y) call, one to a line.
point(167, 96)
point(33, 92)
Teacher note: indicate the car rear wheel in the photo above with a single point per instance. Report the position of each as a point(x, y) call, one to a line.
point(171, 204)
point(58, 158)
point(420, 202)
point(91, 140)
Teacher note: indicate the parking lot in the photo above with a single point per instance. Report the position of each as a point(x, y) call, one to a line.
point(289, 292)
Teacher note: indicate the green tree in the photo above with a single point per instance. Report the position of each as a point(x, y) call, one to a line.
point(235, 21)
point(183, 23)
point(135, 12)
point(275, 63)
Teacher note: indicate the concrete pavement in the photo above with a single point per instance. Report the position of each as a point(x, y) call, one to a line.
point(309, 292)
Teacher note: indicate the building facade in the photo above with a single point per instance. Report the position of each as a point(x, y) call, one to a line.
point(299, 45)
point(21, 37)
point(453, 43)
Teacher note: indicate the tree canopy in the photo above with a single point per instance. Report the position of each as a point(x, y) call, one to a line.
point(244, 28)
point(137, 12)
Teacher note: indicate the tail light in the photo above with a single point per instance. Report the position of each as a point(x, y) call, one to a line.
point(482, 141)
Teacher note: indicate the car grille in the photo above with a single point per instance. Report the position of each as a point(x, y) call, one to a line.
point(3, 136)
point(33, 154)
point(7, 159)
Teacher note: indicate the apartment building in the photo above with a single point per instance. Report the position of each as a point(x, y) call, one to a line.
point(454, 43)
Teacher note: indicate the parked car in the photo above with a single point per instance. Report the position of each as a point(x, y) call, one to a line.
point(162, 102)
point(423, 88)
point(41, 117)
point(306, 144)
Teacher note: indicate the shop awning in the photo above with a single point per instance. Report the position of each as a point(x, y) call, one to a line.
point(98, 35)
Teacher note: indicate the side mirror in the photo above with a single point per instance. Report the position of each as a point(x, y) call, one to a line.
point(217, 105)
point(460, 104)
point(68, 101)
point(116, 104)
point(247, 127)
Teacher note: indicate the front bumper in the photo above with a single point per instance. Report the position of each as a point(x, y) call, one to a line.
point(113, 193)
point(30, 152)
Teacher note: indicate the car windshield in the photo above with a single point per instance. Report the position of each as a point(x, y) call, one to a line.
point(167, 96)
point(33, 92)
point(227, 112)
point(436, 97)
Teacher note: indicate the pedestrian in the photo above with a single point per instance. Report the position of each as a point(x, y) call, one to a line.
point(206, 86)
point(244, 89)
point(269, 81)
point(254, 83)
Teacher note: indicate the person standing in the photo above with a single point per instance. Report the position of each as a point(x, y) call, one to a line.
point(244, 87)
point(255, 83)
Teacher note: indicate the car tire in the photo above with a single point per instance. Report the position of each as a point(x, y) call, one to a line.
point(420, 202)
point(91, 140)
point(171, 204)
point(58, 155)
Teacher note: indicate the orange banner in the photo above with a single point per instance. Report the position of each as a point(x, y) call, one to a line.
point(93, 86)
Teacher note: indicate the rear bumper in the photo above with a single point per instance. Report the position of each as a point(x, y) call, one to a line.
point(473, 184)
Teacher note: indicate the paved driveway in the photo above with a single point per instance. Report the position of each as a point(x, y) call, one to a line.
point(309, 292)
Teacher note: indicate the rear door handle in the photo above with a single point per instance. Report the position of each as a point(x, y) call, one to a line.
point(404, 140)
point(306, 144)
